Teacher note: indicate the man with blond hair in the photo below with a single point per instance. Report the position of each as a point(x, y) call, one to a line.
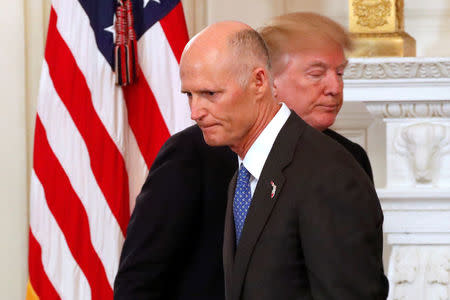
point(303, 220)
point(307, 51)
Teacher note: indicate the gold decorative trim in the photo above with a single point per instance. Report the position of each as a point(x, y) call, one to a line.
point(383, 44)
point(372, 13)
point(399, 15)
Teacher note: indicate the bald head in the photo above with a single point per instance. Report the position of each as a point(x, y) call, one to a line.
point(215, 35)
point(224, 71)
point(234, 42)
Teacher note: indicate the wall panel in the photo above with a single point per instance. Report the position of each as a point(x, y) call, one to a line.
point(13, 187)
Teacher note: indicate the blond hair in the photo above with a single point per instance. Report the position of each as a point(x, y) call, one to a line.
point(294, 32)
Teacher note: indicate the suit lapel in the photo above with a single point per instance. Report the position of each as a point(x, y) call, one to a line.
point(229, 240)
point(271, 180)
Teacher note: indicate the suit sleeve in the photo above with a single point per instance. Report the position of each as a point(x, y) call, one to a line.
point(363, 159)
point(161, 226)
point(355, 150)
point(341, 234)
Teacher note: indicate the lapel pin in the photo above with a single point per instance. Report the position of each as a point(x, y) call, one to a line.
point(274, 188)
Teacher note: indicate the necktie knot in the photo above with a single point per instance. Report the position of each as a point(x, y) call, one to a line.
point(242, 200)
point(244, 175)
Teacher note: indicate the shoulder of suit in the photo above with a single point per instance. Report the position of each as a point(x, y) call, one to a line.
point(190, 144)
point(326, 158)
point(350, 145)
point(179, 147)
point(190, 133)
point(322, 145)
point(185, 140)
point(296, 135)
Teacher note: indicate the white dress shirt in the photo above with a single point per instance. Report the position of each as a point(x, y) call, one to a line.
point(257, 155)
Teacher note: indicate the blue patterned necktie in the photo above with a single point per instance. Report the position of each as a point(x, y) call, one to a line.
point(242, 199)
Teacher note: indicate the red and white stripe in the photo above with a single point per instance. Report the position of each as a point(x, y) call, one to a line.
point(56, 256)
point(94, 144)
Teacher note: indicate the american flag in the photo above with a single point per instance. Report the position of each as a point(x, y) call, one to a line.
point(95, 141)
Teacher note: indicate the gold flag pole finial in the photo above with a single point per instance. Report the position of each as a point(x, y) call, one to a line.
point(377, 29)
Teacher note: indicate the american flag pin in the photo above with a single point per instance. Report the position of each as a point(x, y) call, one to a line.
point(274, 188)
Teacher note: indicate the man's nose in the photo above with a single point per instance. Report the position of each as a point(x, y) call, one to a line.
point(334, 84)
point(197, 108)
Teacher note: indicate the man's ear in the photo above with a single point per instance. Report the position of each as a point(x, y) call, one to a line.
point(260, 80)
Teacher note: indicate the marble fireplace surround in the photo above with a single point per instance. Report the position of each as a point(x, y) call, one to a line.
point(412, 97)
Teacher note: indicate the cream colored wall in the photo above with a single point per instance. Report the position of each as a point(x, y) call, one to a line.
point(23, 26)
point(428, 22)
point(13, 183)
point(22, 31)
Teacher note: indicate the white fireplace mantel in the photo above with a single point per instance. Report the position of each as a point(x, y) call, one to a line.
point(412, 97)
point(400, 79)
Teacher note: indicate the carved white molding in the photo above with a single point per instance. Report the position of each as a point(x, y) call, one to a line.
point(397, 79)
point(418, 153)
point(423, 144)
point(420, 272)
point(397, 68)
point(429, 109)
point(418, 239)
point(417, 225)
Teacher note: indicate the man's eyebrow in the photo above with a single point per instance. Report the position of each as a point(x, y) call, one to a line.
point(317, 64)
point(320, 64)
point(199, 91)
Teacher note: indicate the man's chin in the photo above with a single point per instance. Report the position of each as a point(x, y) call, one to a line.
point(323, 122)
point(211, 140)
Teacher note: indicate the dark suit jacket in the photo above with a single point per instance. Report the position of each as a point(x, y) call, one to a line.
point(174, 238)
point(319, 237)
point(356, 150)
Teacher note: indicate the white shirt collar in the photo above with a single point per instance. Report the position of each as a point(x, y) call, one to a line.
point(257, 155)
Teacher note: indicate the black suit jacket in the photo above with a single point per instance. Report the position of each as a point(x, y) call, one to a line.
point(318, 237)
point(174, 238)
point(356, 150)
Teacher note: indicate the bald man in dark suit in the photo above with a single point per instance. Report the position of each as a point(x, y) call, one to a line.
point(303, 220)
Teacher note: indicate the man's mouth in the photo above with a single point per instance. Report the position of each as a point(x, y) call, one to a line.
point(328, 107)
point(206, 126)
